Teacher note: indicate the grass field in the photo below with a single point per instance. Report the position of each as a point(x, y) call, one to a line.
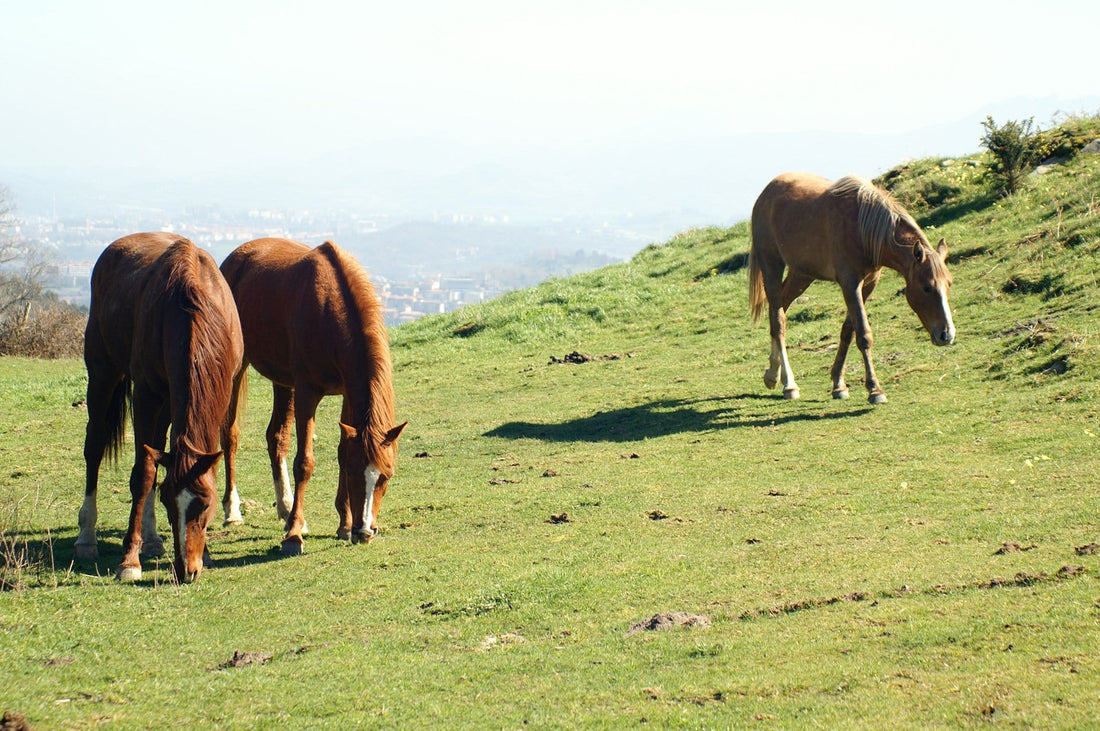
point(927, 562)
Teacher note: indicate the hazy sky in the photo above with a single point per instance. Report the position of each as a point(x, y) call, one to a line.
point(206, 86)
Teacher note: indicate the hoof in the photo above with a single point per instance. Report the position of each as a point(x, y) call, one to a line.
point(770, 381)
point(840, 394)
point(86, 551)
point(791, 393)
point(877, 398)
point(129, 573)
point(233, 520)
point(152, 549)
point(292, 547)
point(343, 534)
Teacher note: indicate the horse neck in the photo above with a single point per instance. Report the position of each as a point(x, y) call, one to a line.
point(899, 255)
point(199, 389)
point(371, 398)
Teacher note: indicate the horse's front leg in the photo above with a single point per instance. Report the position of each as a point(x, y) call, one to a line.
point(305, 407)
point(278, 445)
point(142, 479)
point(230, 440)
point(779, 368)
point(857, 315)
point(840, 388)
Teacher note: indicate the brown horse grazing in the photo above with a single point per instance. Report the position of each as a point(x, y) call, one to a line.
point(163, 333)
point(313, 326)
point(843, 232)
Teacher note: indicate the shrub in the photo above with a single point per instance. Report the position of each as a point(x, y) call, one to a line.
point(1014, 151)
point(44, 328)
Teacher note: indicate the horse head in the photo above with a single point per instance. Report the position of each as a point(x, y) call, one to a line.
point(927, 285)
point(190, 495)
point(368, 464)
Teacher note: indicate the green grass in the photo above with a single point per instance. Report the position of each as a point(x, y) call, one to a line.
point(848, 557)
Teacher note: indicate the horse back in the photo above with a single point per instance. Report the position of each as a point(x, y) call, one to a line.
point(118, 281)
point(295, 309)
point(812, 231)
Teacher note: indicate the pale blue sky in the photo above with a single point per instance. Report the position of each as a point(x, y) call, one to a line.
point(202, 86)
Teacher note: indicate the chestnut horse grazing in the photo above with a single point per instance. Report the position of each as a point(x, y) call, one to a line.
point(313, 326)
point(844, 232)
point(162, 333)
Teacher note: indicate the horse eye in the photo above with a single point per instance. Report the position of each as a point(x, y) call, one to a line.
point(928, 289)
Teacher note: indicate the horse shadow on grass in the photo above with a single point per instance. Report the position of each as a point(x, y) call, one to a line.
point(37, 553)
point(660, 419)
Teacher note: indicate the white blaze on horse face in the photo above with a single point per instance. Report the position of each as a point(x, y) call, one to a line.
point(183, 503)
point(949, 327)
point(371, 477)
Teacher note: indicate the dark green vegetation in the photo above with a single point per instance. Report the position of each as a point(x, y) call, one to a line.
point(922, 563)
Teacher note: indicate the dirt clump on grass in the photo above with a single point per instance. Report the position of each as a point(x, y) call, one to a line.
point(13, 721)
point(667, 620)
point(1012, 547)
point(577, 357)
point(244, 659)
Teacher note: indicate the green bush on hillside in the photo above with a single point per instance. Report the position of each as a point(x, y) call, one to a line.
point(1014, 149)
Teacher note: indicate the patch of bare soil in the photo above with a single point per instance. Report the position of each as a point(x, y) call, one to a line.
point(792, 607)
point(667, 620)
point(559, 518)
point(508, 638)
point(1088, 550)
point(244, 659)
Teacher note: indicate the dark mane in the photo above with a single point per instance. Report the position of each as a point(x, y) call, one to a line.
point(358, 289)
point(208, 349)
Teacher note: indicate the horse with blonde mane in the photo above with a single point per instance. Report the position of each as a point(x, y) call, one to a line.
point(163, 335)
point(313, 326)
point(844, 232)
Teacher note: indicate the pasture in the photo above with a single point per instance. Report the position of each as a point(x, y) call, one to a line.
point(926, 562)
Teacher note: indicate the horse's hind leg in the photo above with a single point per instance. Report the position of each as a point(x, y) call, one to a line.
point(278, 445)
point(780, 297)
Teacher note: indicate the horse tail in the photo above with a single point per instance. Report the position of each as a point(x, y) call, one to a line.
point(756, 282)
point(117, 411)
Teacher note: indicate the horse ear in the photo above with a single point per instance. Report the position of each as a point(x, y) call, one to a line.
point(918, 253)
point(942, 248)
point(346, 432)
point(161, 458)
point(206, 462)
point(393, 434)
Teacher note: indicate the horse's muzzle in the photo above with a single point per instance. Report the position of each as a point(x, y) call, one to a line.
point(944, 337)
point(363, 535)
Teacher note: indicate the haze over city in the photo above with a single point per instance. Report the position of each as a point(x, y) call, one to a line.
point(575, 126)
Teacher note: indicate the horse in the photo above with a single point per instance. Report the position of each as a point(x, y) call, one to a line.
point(844, 232)
point(313, 327)
point(163, 339)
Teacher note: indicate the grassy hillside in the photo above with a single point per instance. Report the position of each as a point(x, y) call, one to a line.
point(924, 562)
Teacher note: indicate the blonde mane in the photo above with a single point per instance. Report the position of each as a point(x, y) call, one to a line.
point(879, 215)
